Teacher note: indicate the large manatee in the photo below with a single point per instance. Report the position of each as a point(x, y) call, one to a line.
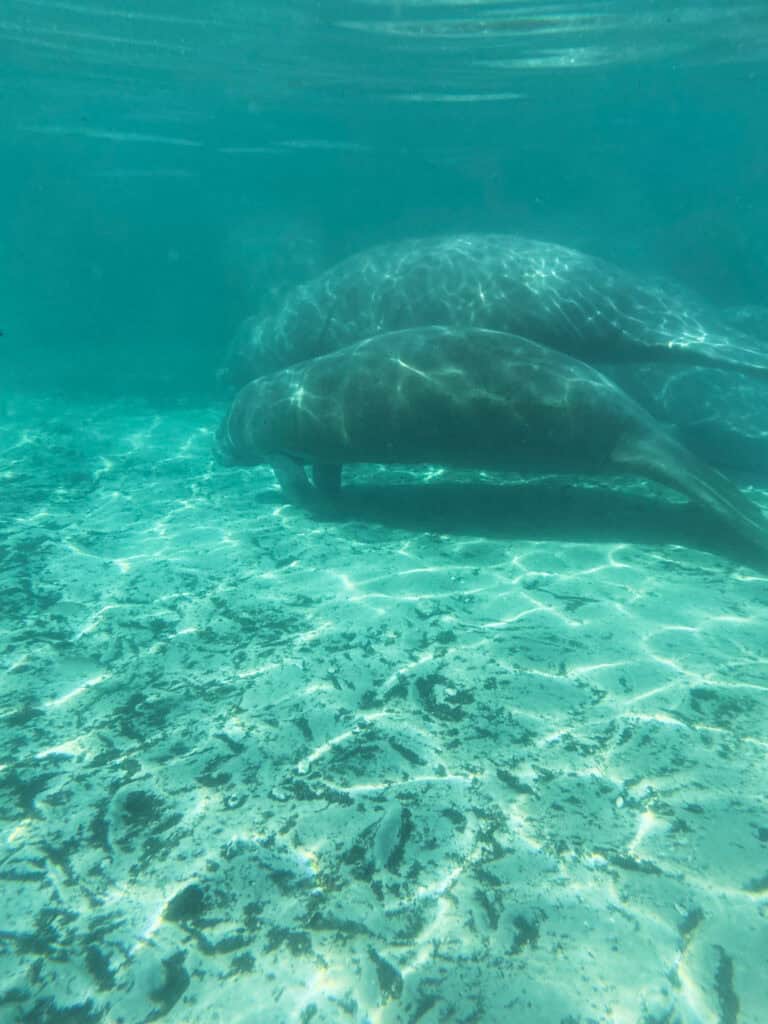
point(463, 397)
point(562, 298)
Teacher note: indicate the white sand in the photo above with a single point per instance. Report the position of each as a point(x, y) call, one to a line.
point(467, 756)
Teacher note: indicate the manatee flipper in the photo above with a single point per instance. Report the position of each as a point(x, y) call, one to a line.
point(660, 457)
point(327, 478)
point(292, 478)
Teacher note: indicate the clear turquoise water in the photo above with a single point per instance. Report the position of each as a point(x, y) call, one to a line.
point(480, 750)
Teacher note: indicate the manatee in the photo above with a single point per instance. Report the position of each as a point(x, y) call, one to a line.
point(463, 397)
point(567, 300)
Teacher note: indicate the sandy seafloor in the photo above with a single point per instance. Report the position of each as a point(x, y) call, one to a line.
point(467, 752)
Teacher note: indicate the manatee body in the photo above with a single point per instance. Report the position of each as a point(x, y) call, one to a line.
point(557, 296)
point(463, 397)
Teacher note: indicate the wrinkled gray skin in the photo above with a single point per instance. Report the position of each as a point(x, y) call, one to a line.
point(557, 296)
point(462, 397)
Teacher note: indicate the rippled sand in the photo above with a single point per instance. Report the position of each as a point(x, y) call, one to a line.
point(470, 751)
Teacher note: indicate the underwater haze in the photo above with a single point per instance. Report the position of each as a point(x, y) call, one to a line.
point(462, 743)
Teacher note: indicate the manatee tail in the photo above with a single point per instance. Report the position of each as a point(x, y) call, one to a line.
point(660, 457)
point(731, 350)
point(743, 360)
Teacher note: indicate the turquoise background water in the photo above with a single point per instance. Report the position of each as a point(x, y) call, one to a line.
point(168, 168)
point(472, 750)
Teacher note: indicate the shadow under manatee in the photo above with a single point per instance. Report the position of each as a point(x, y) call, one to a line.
point(546, 508)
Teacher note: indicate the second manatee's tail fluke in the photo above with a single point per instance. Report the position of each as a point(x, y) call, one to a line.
point(724, 352)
